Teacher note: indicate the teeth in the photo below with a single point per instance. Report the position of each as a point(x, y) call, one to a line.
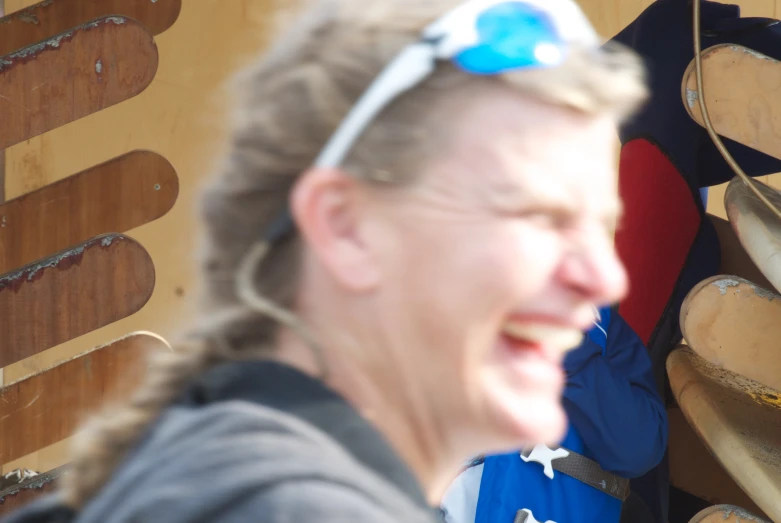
point(557, 337)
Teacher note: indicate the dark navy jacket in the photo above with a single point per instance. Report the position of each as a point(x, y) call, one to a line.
point(617, 418)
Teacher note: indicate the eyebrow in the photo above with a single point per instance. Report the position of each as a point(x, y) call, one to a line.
point(510, 197)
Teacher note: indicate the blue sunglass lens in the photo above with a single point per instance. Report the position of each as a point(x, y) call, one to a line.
point(512, 35)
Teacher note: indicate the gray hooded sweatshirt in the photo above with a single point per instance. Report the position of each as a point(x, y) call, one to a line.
point(254, 442)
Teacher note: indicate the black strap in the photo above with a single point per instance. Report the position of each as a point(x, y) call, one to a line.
point(586, 471)
point(589, 472)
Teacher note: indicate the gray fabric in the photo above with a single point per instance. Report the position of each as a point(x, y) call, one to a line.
point(240, 462)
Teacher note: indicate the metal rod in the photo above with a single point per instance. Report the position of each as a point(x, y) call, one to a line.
point(706, 117)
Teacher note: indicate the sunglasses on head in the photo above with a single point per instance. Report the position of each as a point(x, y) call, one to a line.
point(481, 37)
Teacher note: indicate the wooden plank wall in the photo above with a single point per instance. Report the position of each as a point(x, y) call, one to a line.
point(180, 116)
point(2, 195)
point(2, 168)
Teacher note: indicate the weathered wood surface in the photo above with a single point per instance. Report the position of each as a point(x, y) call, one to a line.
point(736, 325)
point(72, 293)
point(693, 468)
point(2, 176)
point(738, 419)
point(741, 94)
point(734, 258)
point(72, 75)
point(49, 407)
point(727, 514)
point(43, 20)
point(17, 496)
point(113, 197)
point(756, 226)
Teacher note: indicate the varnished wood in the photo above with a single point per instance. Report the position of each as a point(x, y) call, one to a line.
point(727, 514)
point(17, 496)
point(48, 407)
point(72, 293)
point(756, 226)
point(738, 419)
point(180, 116)
point(734, 258)
point(43, 20)
point(741, 94)
point(735, 324)
point(73, 75)
point(2, 176)
point(693, 468)
point(113, 197)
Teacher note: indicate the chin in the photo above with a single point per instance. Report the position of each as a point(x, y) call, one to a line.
point(522, 405)
point(542, 422)
point(550, 429)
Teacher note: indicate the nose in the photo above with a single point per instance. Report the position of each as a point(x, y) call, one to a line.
point(594, 270)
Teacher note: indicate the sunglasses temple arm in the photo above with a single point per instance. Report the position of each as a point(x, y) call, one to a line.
point(409, 68)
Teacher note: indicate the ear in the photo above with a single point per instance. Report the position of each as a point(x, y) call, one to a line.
point(326, 205)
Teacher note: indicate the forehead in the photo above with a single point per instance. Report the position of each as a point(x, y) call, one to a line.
point(509, 150)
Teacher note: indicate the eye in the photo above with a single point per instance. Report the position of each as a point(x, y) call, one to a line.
point(560, 220)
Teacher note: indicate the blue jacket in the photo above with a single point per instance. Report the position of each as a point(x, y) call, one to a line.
point(617, 418)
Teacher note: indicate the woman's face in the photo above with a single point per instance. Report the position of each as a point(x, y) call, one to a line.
point(492, 262)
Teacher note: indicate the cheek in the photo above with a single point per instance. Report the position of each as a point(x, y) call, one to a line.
point(467, 284)
point(520, 263)
point(463, 281)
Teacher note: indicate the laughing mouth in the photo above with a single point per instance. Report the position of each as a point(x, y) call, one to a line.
point(554, 338)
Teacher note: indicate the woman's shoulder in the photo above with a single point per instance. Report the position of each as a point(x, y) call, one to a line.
point(227, 461)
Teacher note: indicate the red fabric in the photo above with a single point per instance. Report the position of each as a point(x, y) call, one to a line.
point(660, 223)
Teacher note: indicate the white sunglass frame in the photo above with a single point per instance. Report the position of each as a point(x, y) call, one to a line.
point(442, 40)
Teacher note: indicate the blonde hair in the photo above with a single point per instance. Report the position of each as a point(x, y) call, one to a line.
point(290, 103)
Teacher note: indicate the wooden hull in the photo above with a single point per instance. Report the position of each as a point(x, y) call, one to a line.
point(757, 228)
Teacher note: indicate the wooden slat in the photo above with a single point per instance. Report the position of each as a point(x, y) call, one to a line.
point(735, 324)
point(75, 292)
point(50, 17)
point(741, 94)
point(756, 226)
point(73, 75)
point(693, 468)
point(2, 176)
point(727, 514)
point(113, 197)
point(13, 498)
point(734, 258)
point(738, 419)
point(48, 407)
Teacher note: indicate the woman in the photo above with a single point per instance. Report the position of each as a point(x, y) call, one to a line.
point(391, 280)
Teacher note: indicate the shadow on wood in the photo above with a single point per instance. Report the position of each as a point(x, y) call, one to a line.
point(738, 419)
point(43, 20)
point(734, 258)
point(49, 407)
point(756, 226)
point(17, 496)
point(113, 197)
point(75, 292)
point(73, 75)
point(727, 514)
point(694, 470)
